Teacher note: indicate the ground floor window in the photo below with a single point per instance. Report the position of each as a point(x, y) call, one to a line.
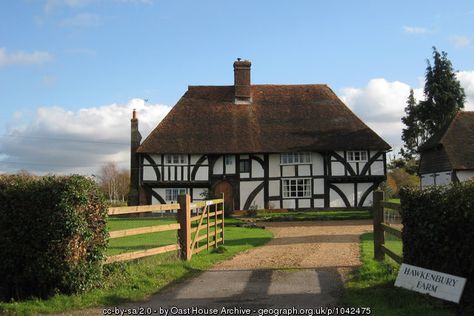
point(298, 188)
point(172, 194)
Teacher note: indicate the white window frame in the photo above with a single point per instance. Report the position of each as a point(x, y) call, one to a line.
point(228, 160)
point(295, 158)
point(357, 156)
point(171, 194)
point(176, 159)
point(296, 188)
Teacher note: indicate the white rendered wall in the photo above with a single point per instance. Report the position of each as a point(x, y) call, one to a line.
point(337, 168)
point(149, 173)
point(197, 193)
point(257, 169)
point(443, 178)
point(202, 173)
point(304, 170)
point(274, 188)
point(361, 189)
point(274, 165)
point(230, 168)
point(318, 164)
point(376, 169)
point(218, 166)
point(318, 186)
point(427, 179)
point(465, 175)
point(335, 200)
point(246, 187)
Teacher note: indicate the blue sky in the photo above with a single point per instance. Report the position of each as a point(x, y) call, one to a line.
point(73, 69)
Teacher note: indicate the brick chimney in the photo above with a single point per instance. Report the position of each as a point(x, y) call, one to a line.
point(135, 139)
point(242, 81)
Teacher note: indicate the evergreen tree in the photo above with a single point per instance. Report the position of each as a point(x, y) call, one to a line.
point(444, 97)
point(412, 134)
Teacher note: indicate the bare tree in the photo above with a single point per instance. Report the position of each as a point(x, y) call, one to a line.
point(114, 182)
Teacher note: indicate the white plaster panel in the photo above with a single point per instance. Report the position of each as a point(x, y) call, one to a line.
point(302, 203)
point(427, 179)
point(340, 153)
point(246, 187)
point(245, 175)
point(195, 158)
point(465, 175)
point(185, 173)
point(337, 168)
point(361, 188)
point(288, 171)
point(156, 158)
point(218, 166)
point(202, 173)
point(443, 178)
point(149, 173)
point(304, 170)
point(197, 193)
point(274, 205)
point(318, 164)
point(289, 204)
point(335, 200)
point(318, 203)
point(274, 165)
point(318, 186)
point(257, 169)
point(376, 168)
point(354, 166)
point(373, 153)
point(274, 188)
point(258, 201)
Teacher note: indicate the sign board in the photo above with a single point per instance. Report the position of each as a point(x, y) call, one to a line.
point(441, 285)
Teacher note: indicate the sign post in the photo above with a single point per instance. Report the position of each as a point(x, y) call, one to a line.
point(441, 285)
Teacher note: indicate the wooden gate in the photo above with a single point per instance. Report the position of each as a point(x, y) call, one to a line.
point(193, 219)
point(201, 216)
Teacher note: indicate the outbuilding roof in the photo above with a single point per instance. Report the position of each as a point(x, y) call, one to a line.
point(454, 142)
point(278, 118)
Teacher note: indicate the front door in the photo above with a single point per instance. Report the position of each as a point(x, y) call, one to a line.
point(226, 188)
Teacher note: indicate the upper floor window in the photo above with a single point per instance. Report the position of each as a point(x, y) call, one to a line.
point(244, 165)
point(176, 159)
point(229, 159)
point(295, 158)
point(357, 155)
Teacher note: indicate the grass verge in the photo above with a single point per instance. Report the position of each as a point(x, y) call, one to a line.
point(372, 286)
point(311, 216)
point(138, 279)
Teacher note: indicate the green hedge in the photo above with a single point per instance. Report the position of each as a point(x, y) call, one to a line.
point(438, 230)
point(52, 235)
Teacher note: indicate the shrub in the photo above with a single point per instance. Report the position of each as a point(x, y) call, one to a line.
point(438, 230)
point(402, 179)
point(52, 235)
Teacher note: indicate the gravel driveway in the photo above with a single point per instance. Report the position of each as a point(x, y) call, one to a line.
point(303, 267)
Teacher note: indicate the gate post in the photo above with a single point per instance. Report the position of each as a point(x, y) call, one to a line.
point(184, 219)
point(378, 231)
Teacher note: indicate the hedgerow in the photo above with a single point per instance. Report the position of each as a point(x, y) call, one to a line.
point(52, 235)
point(438, 230)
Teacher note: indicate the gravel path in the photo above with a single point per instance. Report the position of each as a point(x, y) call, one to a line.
point(304, 266)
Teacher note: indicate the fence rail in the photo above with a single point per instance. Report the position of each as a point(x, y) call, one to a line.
point(380, 228)
point(187, 246)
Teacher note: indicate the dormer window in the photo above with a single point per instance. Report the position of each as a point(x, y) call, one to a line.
point(176, 159)
point(357, 156)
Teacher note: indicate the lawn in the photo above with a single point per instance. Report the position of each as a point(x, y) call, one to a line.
point(302, 216)
point(138, 279)
point(372, 286)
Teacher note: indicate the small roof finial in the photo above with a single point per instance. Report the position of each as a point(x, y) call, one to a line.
point(239, 59)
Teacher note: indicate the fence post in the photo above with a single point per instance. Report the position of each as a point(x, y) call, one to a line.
point(184, 219)
point(378, 231)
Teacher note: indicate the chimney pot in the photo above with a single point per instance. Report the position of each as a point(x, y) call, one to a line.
point(134, 114)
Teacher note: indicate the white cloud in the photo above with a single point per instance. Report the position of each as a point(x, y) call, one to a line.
point(23, 58)
point(61, 141)
point(467, 82)
point(414, 29)
point(381, 104)
point(460, 41)
point(81, 20)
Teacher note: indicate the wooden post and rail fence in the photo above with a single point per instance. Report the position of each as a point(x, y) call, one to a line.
point(208, 215)
point(380, 228)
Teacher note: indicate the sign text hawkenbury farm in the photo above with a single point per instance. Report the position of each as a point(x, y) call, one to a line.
point(437, 284)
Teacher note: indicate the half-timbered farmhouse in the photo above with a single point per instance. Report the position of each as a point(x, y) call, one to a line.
point(264, 146)
point(448, 156)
